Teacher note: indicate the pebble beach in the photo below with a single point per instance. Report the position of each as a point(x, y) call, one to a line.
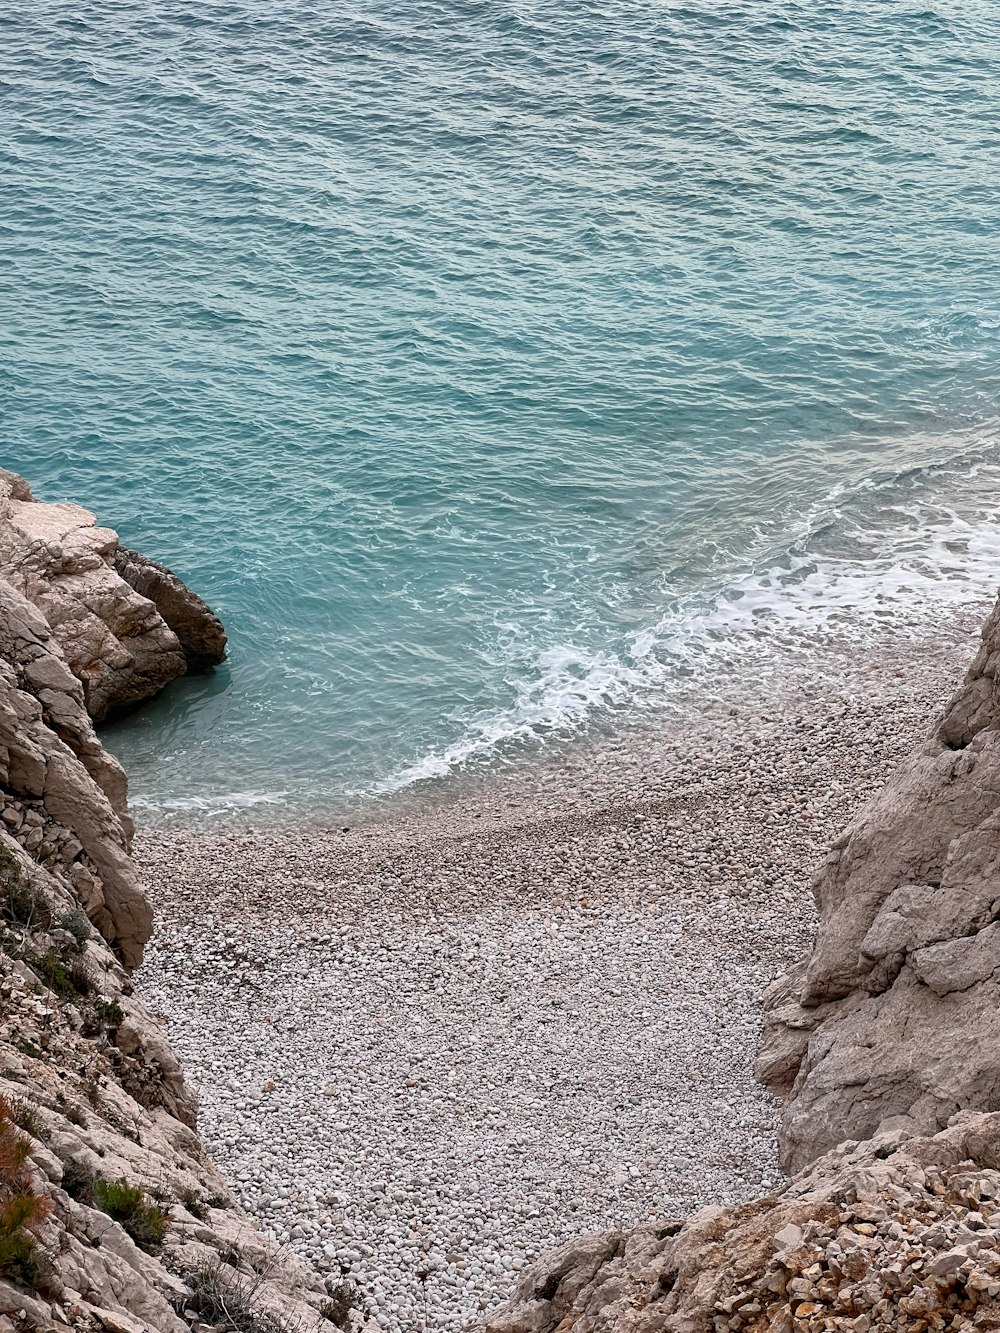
point(431, 1044)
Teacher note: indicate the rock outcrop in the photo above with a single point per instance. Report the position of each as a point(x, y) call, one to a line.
point(893, 1234)
point(894, 1020)
point(111, 1215)
point(885, 1047)
point(126, 626)
point(198, 629)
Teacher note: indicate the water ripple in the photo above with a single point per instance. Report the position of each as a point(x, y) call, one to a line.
point(483, 362)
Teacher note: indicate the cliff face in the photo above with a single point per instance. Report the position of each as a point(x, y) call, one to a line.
point(884, 1045)
point(111, 1215)
point(894, 1020)
point(126, 625)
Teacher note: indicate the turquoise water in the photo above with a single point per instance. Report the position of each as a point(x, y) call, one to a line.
point(488, 366)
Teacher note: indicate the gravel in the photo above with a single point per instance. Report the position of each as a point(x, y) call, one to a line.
point(432, 1046)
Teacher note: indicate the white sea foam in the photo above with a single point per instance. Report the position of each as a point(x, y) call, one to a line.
point(887, 548)
point(229, 802)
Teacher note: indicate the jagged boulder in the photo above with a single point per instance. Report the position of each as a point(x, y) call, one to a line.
point(894, 1019)
point(896, 1233)
point(199, 630)
point(116, 639)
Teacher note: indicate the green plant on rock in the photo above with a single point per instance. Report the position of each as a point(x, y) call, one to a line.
point(54, 974)
point(21, 1209)
point(194, 1203)
point(129, 1206)
point(20, 905)
point(108, 1013)
point(77, 924)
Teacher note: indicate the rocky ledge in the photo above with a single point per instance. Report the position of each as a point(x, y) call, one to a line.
point(126, 626)
point(111, 1215)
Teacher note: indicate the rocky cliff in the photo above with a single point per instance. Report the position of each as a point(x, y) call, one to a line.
point(111, 1215)
point(884, 1045)
point(893, 1022)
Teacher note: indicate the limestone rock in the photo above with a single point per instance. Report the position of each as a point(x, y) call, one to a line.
point(116, 640)
point(198, 629)
point(129, 1227)
point(59, 789)
point(894, 1020)
point(893, 1234)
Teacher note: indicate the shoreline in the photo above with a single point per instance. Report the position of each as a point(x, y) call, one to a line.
point(756, 681)
point(494, 1021)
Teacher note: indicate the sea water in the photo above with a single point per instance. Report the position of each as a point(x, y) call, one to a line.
point(488, 365)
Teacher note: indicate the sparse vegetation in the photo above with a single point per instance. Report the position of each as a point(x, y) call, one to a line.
point(338, 1307)
point(194, 1203)
point(101, 1015)
point(77, 924)
point(21, 1209)
point(228, 1299)
point(54, 974)
point(77, 1181)
point(129, 1205)
point(109, 1013)
point(20, 905)
point(25, 1116)
point(81, 976)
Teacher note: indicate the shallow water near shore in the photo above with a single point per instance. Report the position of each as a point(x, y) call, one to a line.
point(498, 372)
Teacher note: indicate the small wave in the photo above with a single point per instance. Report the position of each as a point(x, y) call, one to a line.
point(569, 686)
point(886, 547)
point(230, 802)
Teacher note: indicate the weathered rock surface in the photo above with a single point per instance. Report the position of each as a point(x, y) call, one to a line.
point(894, 1021)
point(198, 629)
point(118, 639)
point(896, 1233)
point(111, 1215)
point(62, 795)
